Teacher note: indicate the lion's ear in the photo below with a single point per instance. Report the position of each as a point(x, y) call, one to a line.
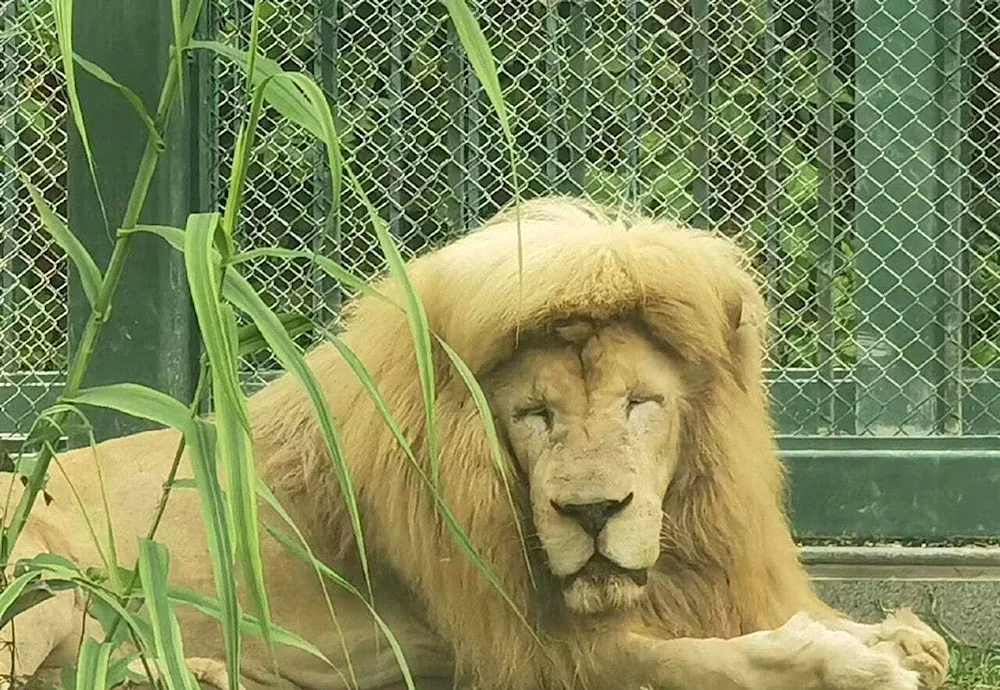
point(747, 326)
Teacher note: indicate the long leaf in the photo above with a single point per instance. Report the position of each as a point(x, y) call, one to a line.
point(241, 294)
point(272, 500)
point(128, 94)
point(203, 280)
point(491, 431)
point(65, 571)
point(62, 11)
point(336, 578)
point(252, 342)
point(154, 564)
point(282, 95)
point(477, 49)
point(458, 533)
point(136, 400)
point(200, 442)
point(90, 275)
point(233, 422)
point(92, 665)
point(326, 264)
point(13, 590)
point(416, 316)
point(177, 50)
point(248, 624)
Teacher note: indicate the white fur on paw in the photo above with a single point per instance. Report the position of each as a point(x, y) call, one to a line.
point(846, 663)
point(916, 645)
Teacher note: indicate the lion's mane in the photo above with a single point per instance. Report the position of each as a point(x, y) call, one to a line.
point(728, 563)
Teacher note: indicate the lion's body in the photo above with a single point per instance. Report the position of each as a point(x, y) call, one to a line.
point(727, 565)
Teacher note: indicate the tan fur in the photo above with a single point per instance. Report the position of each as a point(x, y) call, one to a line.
point(720, 607)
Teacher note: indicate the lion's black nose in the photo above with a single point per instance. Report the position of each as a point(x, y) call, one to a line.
point(592, 516)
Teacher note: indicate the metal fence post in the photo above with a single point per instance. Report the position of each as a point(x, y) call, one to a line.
point(906, 240)
point(152, 336)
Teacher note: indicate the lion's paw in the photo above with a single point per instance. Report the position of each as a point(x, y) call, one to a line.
point(917, 646)
point(844, 662)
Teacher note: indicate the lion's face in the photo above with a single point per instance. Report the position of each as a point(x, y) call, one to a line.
point(593, 418)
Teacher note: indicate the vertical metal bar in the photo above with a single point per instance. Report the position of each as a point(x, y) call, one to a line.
point(953, 173)
point(704, 140)
point(9, 215)
point(397, 150)
point(574, 154)
point(632, 74)
point(902, 178)
point(774, 179)
point(555, 95)
point(457, 133)
point(327, 240)
point(476, 172)
point(826, 219)
point(204, 135)
point(152, 333)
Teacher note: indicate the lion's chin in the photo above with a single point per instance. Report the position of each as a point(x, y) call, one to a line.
point(603, 594)
point(601, 586)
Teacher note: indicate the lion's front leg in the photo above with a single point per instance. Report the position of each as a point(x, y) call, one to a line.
point(803, 654)
point(902, 634)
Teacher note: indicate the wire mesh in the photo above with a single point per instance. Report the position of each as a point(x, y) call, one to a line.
point(853, 147)
point(33, 311)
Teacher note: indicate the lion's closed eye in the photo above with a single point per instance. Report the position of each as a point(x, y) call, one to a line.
point(636, 402)
point(536, 414)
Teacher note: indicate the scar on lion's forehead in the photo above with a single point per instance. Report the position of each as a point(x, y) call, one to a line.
point(584, 336)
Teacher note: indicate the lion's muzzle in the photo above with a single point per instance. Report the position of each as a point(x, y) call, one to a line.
point(592, 517)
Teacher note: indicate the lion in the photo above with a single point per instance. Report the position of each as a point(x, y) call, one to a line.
point(621, 358)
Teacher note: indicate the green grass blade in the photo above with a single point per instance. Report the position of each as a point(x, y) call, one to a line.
point(252, 342)
point(247, 131)
point(272, 500)
point(64, 571)
point(302, 551)
point(458, 533)
point(90, 275)
point(154, 564)
point(477, 49)
point(62, 11)
point(282, 95)
point(242, 295)
point(92, 665)
point(419, 327)
point(177, 50)
point(416, 315)
point(326, 264)
point(203, 279)
point(236, 455)
point(175, 237)
point(499, 459)
point(218, 331)
point(248, 624)
point(13, 590)
point(200, 442)
point(128, 94)
point(136, 400)
point(254, 44)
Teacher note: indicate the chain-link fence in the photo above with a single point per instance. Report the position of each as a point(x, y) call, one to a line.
point(853, 146)
point(33, 306)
